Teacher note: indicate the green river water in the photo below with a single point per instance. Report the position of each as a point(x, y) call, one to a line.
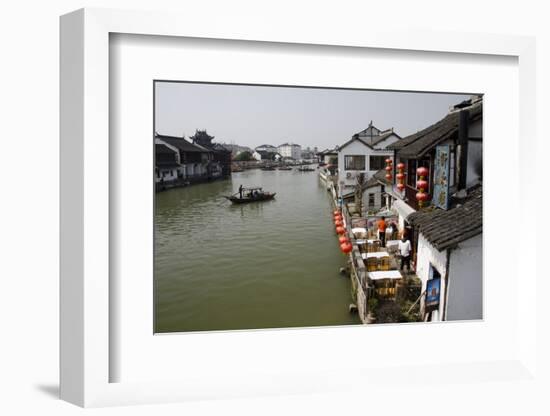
point(271, 264)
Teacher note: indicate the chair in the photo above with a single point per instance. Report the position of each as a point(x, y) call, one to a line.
point(385, 263)
point(372, 264)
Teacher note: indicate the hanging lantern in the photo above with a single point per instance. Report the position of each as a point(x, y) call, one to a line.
point(422, 172)
point(400, 177)
point(421, 197)
point(422, 186)
point(340, 230)
point(389, 169)
point(338, 223)
point(337, 212)
point(346, 247)
point(342, 239)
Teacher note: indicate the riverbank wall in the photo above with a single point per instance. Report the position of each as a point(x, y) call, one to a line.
point(361, 291)
point(162, 186)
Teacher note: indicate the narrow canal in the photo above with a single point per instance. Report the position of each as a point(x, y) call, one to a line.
point(272, 264)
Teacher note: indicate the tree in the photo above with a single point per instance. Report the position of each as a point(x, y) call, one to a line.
point(244, 156)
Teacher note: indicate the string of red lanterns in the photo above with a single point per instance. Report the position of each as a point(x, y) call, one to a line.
point(389, 169)
point(422, 185)
point(345, 244)
point(400, 177)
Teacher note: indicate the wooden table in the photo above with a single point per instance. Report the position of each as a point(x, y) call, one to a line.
point(377, 254)
point(385, 274)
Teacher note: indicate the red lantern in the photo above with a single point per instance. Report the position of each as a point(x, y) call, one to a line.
point(400, 176)
point(400, 186)
point(400, 166)
point(388, 177)
point(346, 247)
point(421, 196)
point(388, 161)
point(340, 230)
point(336, 212)
point(422, 172)
point(338, 223)
point(343, 239)
point(422, 184)
point(388, 168)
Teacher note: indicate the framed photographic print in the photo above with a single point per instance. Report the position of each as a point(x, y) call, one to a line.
point(238, 210)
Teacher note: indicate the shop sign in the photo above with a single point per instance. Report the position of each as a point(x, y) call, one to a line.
point(433, 287)
point(441, 176)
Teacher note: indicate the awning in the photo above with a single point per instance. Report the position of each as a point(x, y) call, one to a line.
point(402, 208)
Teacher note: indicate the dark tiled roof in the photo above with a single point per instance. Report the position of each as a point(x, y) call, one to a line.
point(355, 137)
point(383, 136)
point(163, 149)
point(182, 144)
point(445, 229)
point(379, 178)
point(417, 144)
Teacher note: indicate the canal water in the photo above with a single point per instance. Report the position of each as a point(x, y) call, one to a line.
point(271, 264)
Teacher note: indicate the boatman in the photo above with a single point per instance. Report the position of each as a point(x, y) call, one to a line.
point(241, 191)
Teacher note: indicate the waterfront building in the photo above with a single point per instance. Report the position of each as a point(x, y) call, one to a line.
point(450, 250)
point(364, 154)
point(266, 148)
point(166, 163)
point(290, 150)
point(193, 159)
point(446, 232)
point(220, 165)
point(262, 155)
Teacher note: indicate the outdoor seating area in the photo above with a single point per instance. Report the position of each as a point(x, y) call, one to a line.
point(381, 263)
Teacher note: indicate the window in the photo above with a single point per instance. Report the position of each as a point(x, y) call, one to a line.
point(371, 200)
point(354, 162)
point(377, 162)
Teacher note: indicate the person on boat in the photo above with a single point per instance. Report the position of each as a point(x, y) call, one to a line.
point(241, 191)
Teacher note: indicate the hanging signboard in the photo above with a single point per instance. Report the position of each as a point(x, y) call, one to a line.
point(441, 176)
point(432, 294)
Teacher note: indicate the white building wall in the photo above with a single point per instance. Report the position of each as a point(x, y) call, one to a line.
point(427, 255)
point(465, 298)
point(291, 150)
point(357, 148)
point(392, 138)
point(377, 191)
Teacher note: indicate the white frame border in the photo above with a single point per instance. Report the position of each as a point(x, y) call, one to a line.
point(84, 200)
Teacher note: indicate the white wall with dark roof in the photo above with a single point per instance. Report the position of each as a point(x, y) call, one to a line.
point(465, 297)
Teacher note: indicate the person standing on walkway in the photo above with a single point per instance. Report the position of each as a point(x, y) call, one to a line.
point(405, 251)
point(382, 231)
point(241, 191)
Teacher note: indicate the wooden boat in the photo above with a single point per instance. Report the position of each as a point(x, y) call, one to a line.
point(285, 168)
point(251, 195)
point(268, 168)
point(305, 169)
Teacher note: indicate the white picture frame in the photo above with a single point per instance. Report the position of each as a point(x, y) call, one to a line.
point(86, 356)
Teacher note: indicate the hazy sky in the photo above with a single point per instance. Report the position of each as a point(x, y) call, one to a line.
point(255, 115)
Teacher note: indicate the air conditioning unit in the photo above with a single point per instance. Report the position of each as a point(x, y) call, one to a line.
point(350, 175)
